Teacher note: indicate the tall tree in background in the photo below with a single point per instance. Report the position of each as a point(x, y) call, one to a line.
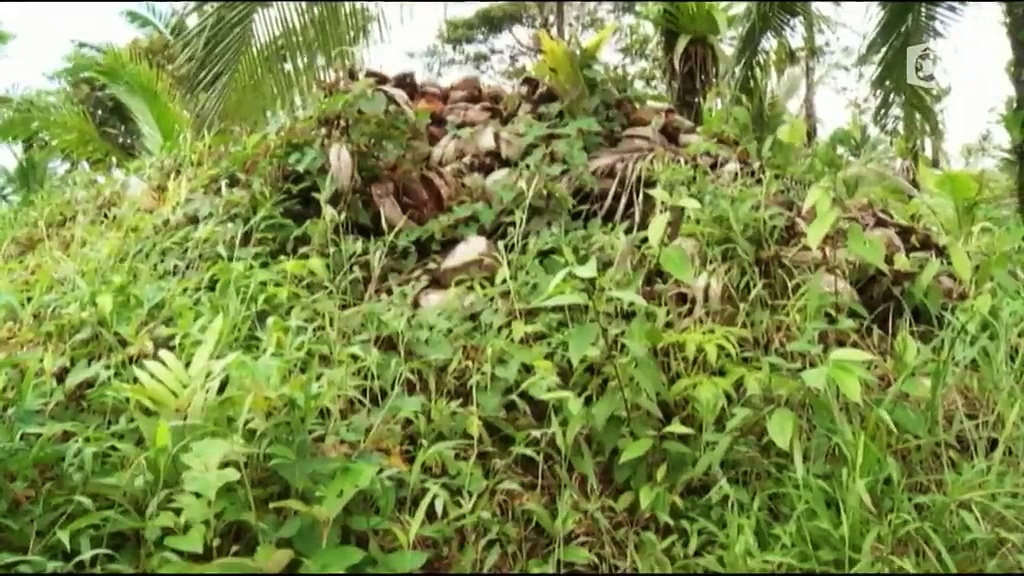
point(499, 39)
point(1014, 12)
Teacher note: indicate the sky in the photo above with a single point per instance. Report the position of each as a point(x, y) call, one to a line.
point(972, 59)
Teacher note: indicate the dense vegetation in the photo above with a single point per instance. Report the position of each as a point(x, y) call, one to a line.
point(405, 327)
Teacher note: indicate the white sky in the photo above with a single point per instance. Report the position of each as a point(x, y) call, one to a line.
point(972, 59)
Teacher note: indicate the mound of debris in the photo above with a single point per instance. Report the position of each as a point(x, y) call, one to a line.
point(476, 133)
point(463, 142)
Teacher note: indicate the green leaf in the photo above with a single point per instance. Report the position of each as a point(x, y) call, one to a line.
point(628, 297)
point(574, 554)
point(208, 483)
point(847, 382)
point(273, 560)
point(676, 261)
point(581, 340)
point(869, 249)
point(815, 378)
point(676, 428)
point(105, 303)
point(815, 194)
point(646, 494)
point(374, 104)
point(572, 299)
point(656, 229)
point(962, 266)
point(781, 425)
point(820, 228)
point(192, 541)
point(402, 561)
point(197, 368)
point(333, 560)
point(793, 132)
point(850, 355)
point(636, 449)
point(586, 271)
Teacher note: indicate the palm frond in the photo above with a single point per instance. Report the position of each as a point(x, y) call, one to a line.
point(762, 24)
point(53, 120)
point(150, 18)
point(899, 26)
point(272, 52)
point(154, 104)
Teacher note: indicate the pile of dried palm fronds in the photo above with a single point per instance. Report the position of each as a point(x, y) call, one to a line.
point(474, 136)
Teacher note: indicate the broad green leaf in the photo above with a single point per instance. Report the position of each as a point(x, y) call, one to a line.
point(847, 382)
point(636, 449)
point(656, 229)
point(868, 248)
point(646, 495)
point(192, 541)
point(781, 425)
point(962, 266)
point(105, 303)
point(815, 194)
point(273, 560)
point(574, 554)
point(374, 104)
point(402, 561)
point(628, 297)
point(586, 271)
point(815, 378)
point(676, 428)
point(581, 340)
point(333, 560)
point(850, 355)
point(793, 132)
point(820, 228)
point(197, 368)
point(676, 261)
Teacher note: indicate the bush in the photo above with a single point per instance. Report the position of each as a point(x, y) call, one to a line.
point(793, 372)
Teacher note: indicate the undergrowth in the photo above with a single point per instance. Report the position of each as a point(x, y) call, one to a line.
point(208, 387)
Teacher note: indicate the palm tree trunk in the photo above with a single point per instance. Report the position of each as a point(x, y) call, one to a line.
point(560, 20)
point(1015, 30)
point(810, 72)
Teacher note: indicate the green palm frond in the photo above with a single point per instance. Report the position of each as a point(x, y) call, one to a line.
point(155, 18)
point(55, 121)
point(149, 96)
point(899, 26)
point(764, 26)
point(268, 54)
point(117, 88)
point(679, 22)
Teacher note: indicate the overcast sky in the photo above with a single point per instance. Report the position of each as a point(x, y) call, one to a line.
point(972, 59)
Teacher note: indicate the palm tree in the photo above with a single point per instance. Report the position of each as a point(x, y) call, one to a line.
point(904, 111)
point(765, 29)
point(689, 33)
point(233, 65)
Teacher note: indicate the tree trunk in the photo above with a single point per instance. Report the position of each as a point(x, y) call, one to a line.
point(560, 20)
point(1015, 31)
point(694, 76)
point(810, 73)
